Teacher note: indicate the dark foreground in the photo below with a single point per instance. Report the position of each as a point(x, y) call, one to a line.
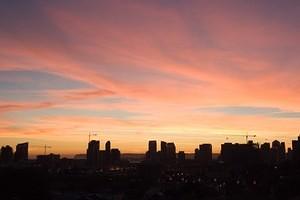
point(152, 181)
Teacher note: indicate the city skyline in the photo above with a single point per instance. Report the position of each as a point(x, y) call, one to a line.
point(133, 71)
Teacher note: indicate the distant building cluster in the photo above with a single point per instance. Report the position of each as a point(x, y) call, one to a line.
point(102, 158)
point(8, 155)
point(167, 152)
point(231, 153)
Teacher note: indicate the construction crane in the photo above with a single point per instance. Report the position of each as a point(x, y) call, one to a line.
point(43, 146)
point(247, 136)
point(91, 133)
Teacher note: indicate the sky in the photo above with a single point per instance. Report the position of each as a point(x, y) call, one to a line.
point(188, 72)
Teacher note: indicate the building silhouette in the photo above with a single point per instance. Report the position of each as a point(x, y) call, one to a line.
point(171, 152)
point(21, 153)
point(240, 154)
point(163, 150)
point(115, 156)
point(107, 154)
point(6, 154)
point(152, 150)
point(204, 153)
point(277, 151)
point(296, 151)
point(48, 158)
point(93, 153)
point(107, 146)
point(181, 156)
point(265, 153)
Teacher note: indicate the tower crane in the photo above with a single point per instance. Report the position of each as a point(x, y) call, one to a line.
point(247, 136)
point(90, 134)
point(43, 146)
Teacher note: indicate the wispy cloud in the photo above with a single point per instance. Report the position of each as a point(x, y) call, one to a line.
point(167, 58)
point(252, 111)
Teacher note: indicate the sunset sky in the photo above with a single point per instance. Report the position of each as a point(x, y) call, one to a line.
point(190, 72)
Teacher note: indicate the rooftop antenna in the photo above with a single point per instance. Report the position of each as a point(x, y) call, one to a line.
point(91, 134)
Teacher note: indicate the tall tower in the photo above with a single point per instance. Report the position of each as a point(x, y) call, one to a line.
point(93, 153)
point(152, 150)
point(107, 146)
point(171, 151)
point(21, 153)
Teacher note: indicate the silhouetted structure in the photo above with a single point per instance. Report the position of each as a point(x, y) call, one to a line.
point(265, 153)
point(204, 153)
point(277, 151)
point(296, 150)
point(241, 154)
point(50, 161)
point(181, 156)
point(163, 150)
point(107, 146)
point(107, 154)
point(248, 171)
point(48, 158)
point(171, 152)
point(6, 154)
point(93, 153)
point(21, 153)
point(152, 150)
point(115, 156)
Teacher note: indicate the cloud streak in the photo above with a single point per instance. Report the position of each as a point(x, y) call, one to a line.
point(164, 60)
point(252, 111)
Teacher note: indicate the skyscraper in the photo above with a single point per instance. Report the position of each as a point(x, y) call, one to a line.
point(171, 151)
point(93, 153)
point(163, 147)
point(115, 156)
point(278, 151)
point(107, 146)
point(296, 150)
point(265, 152)
point(204, 153)
point(152, 150)
point(163, 150)
point(107, 154)
point(152, 147)
point(21, 153)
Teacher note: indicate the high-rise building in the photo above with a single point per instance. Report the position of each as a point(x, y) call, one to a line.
point(296, 150)
point(107, 146)
point(6, 154)
point(265, 152)
point(163, 147)
point(115, 156)
point(171, 151)
point(204, 153)
point(107, 155)
point(163, 150)
point(152, 147)
point(152, 150)
point(240, 153)
point(21, 153)
point(93, 153)
point(278, 151)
